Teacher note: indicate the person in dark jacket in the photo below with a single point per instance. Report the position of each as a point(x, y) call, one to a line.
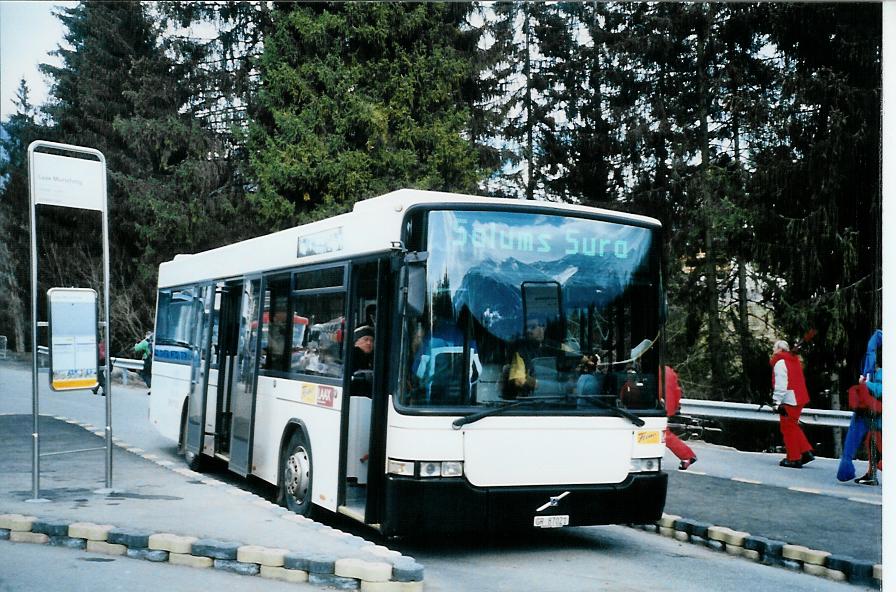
point(101, 370)
point(362, 356)
point(790, 395)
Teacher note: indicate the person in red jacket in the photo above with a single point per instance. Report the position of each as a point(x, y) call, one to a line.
point(673, 402)
point(790, 396)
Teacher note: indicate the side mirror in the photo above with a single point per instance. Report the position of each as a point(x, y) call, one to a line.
point(415, 283)
point(639, 349)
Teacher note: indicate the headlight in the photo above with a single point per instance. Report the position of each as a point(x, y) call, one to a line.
point(645, 465)
point(452, 469)
point(425, 468)
point(430, 469)
point(401, 467)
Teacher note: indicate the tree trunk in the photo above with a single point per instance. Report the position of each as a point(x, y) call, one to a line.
point(714, 328)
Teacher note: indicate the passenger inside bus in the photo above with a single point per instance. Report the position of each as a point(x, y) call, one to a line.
point(439, 363)
point(533, 362)
point(362, 361)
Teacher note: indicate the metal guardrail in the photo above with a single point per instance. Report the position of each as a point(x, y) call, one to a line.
point(752, 412)
point(693, 407)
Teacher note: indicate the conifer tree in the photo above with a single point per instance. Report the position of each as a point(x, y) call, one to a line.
point(359, 99)
point(16, 133)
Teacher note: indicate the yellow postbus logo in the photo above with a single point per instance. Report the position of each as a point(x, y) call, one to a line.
point(651, 437)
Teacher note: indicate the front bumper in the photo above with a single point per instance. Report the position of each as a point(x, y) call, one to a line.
point(415, 506)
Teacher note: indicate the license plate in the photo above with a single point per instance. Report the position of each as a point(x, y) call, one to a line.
point(551, 521)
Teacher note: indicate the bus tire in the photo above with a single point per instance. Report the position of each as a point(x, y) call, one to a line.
point(296, 475)
point(192, 459)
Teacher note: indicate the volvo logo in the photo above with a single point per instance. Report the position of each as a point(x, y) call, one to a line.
point(553, 501)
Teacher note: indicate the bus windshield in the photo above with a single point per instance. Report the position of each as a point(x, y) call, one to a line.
point(521, 305)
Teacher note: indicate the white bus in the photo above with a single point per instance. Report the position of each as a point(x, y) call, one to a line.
point(476, 412)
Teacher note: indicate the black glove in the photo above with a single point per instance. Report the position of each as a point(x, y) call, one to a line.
point(782, 411)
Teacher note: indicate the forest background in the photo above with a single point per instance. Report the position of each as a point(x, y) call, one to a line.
point(752, 131)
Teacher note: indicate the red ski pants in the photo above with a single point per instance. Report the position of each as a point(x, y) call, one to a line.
point(678, 448)
point(794, 439)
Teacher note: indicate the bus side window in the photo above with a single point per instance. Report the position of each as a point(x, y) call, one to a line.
point(275, 328)
point(322, 354)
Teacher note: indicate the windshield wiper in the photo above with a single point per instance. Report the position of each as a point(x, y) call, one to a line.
point(617, 410)
point(462, 421)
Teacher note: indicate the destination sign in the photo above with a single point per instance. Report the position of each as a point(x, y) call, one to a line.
point(467, 234)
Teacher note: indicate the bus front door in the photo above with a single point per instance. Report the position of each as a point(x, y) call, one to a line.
point(242, 388)
point(199, 374)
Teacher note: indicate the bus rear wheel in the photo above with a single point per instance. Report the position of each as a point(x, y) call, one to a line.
point(296, 475)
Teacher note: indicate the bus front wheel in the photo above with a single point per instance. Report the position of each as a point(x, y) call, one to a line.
point(295, 476)
point(193, 459)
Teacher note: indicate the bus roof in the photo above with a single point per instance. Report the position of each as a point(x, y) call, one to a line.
point(373, 226)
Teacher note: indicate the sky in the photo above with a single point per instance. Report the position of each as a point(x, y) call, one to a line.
point(28, 33)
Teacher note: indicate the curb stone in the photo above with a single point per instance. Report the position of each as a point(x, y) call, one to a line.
point(763, 550)
point(381, 569)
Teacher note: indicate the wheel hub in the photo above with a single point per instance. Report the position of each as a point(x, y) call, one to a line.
point(296, 475)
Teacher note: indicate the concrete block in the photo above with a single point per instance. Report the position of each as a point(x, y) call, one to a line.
point(129, 537)
point(237, 567)
point(296, 561)
point(815, 557)
point(321, 564)
point(294, 576)
point(769, 550)
point(734, 550)
point(715, 545)
point(700, 529)
point(189, 560)
point(668, 520)
point(370, 571)
point(106, 548)
point(153, 555)
point(37, 538)
point(680, 535)
point(751, 555)
point(269, 556)
point(837, 576)
point(792, 564)
point(216, 549)
point(89, 531)
point(878, 571)
point(173, 543)
point(864, 573)
point(793, 552)
point(815, 569)
point(58, 528)
point(407, 569)
point(4, 534)
point(718, 533)
point(17, 522)
point(68, 542)
point(667, 532)
point(333, 581)
point(736, 537)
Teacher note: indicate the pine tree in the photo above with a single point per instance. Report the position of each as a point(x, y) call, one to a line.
point(359, 99)
point(16, 134)
point(818, 182)
point(171, 187)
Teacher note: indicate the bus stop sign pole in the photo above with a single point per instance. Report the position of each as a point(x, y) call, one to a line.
point(74, 181)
